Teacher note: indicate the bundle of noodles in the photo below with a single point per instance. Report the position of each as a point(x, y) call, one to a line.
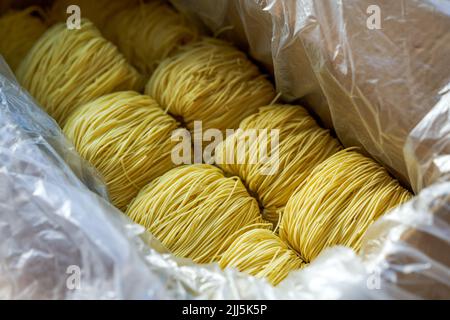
point(341, 198)
point(261, 253)
point(211, 81)
point(19, 30)
point(149, 33)
point(196, 212)
point(126, 136)
point(67, 68)
point(97, 11)
point(273, 172)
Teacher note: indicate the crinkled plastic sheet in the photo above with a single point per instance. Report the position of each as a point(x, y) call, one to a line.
point(389, 96)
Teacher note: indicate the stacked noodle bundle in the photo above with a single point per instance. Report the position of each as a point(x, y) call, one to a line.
point(322, 195)
point(211, 81)
point(196, 211)
point(261, 253)
point(19, 30)
point(67, 68)
point(341, 198)
point(200, 198)
point(98, 11)
point(302, 146)
point(126, 136)
point(149, 33)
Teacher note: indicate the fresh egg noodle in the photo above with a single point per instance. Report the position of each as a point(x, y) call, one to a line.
point(212, 81)
point(148, 33)
point(68, 68)
point(196, 212)
point(341, 198)
point(126, 136)
point(261, 253)
point(302, 146)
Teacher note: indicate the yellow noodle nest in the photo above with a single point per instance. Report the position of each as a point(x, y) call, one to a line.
point(341, 198)
point(148, 33)
point(196, 211)
point(98, 11)
point(322, 195)
point(19, 30)
point(67, 68)
point(212, 81)
point(302, 146)
point(126, 136)
point(261, 253)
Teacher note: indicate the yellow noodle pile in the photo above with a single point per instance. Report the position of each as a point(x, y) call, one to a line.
point(126, 136)
point(211, 81)
point(322, 195)
point(149, 33)
point(97, 11)
point(261, 253)
point(341, 198)
point(302, 146)
point(196, 211)
point(67, 68)
point(19, 30)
